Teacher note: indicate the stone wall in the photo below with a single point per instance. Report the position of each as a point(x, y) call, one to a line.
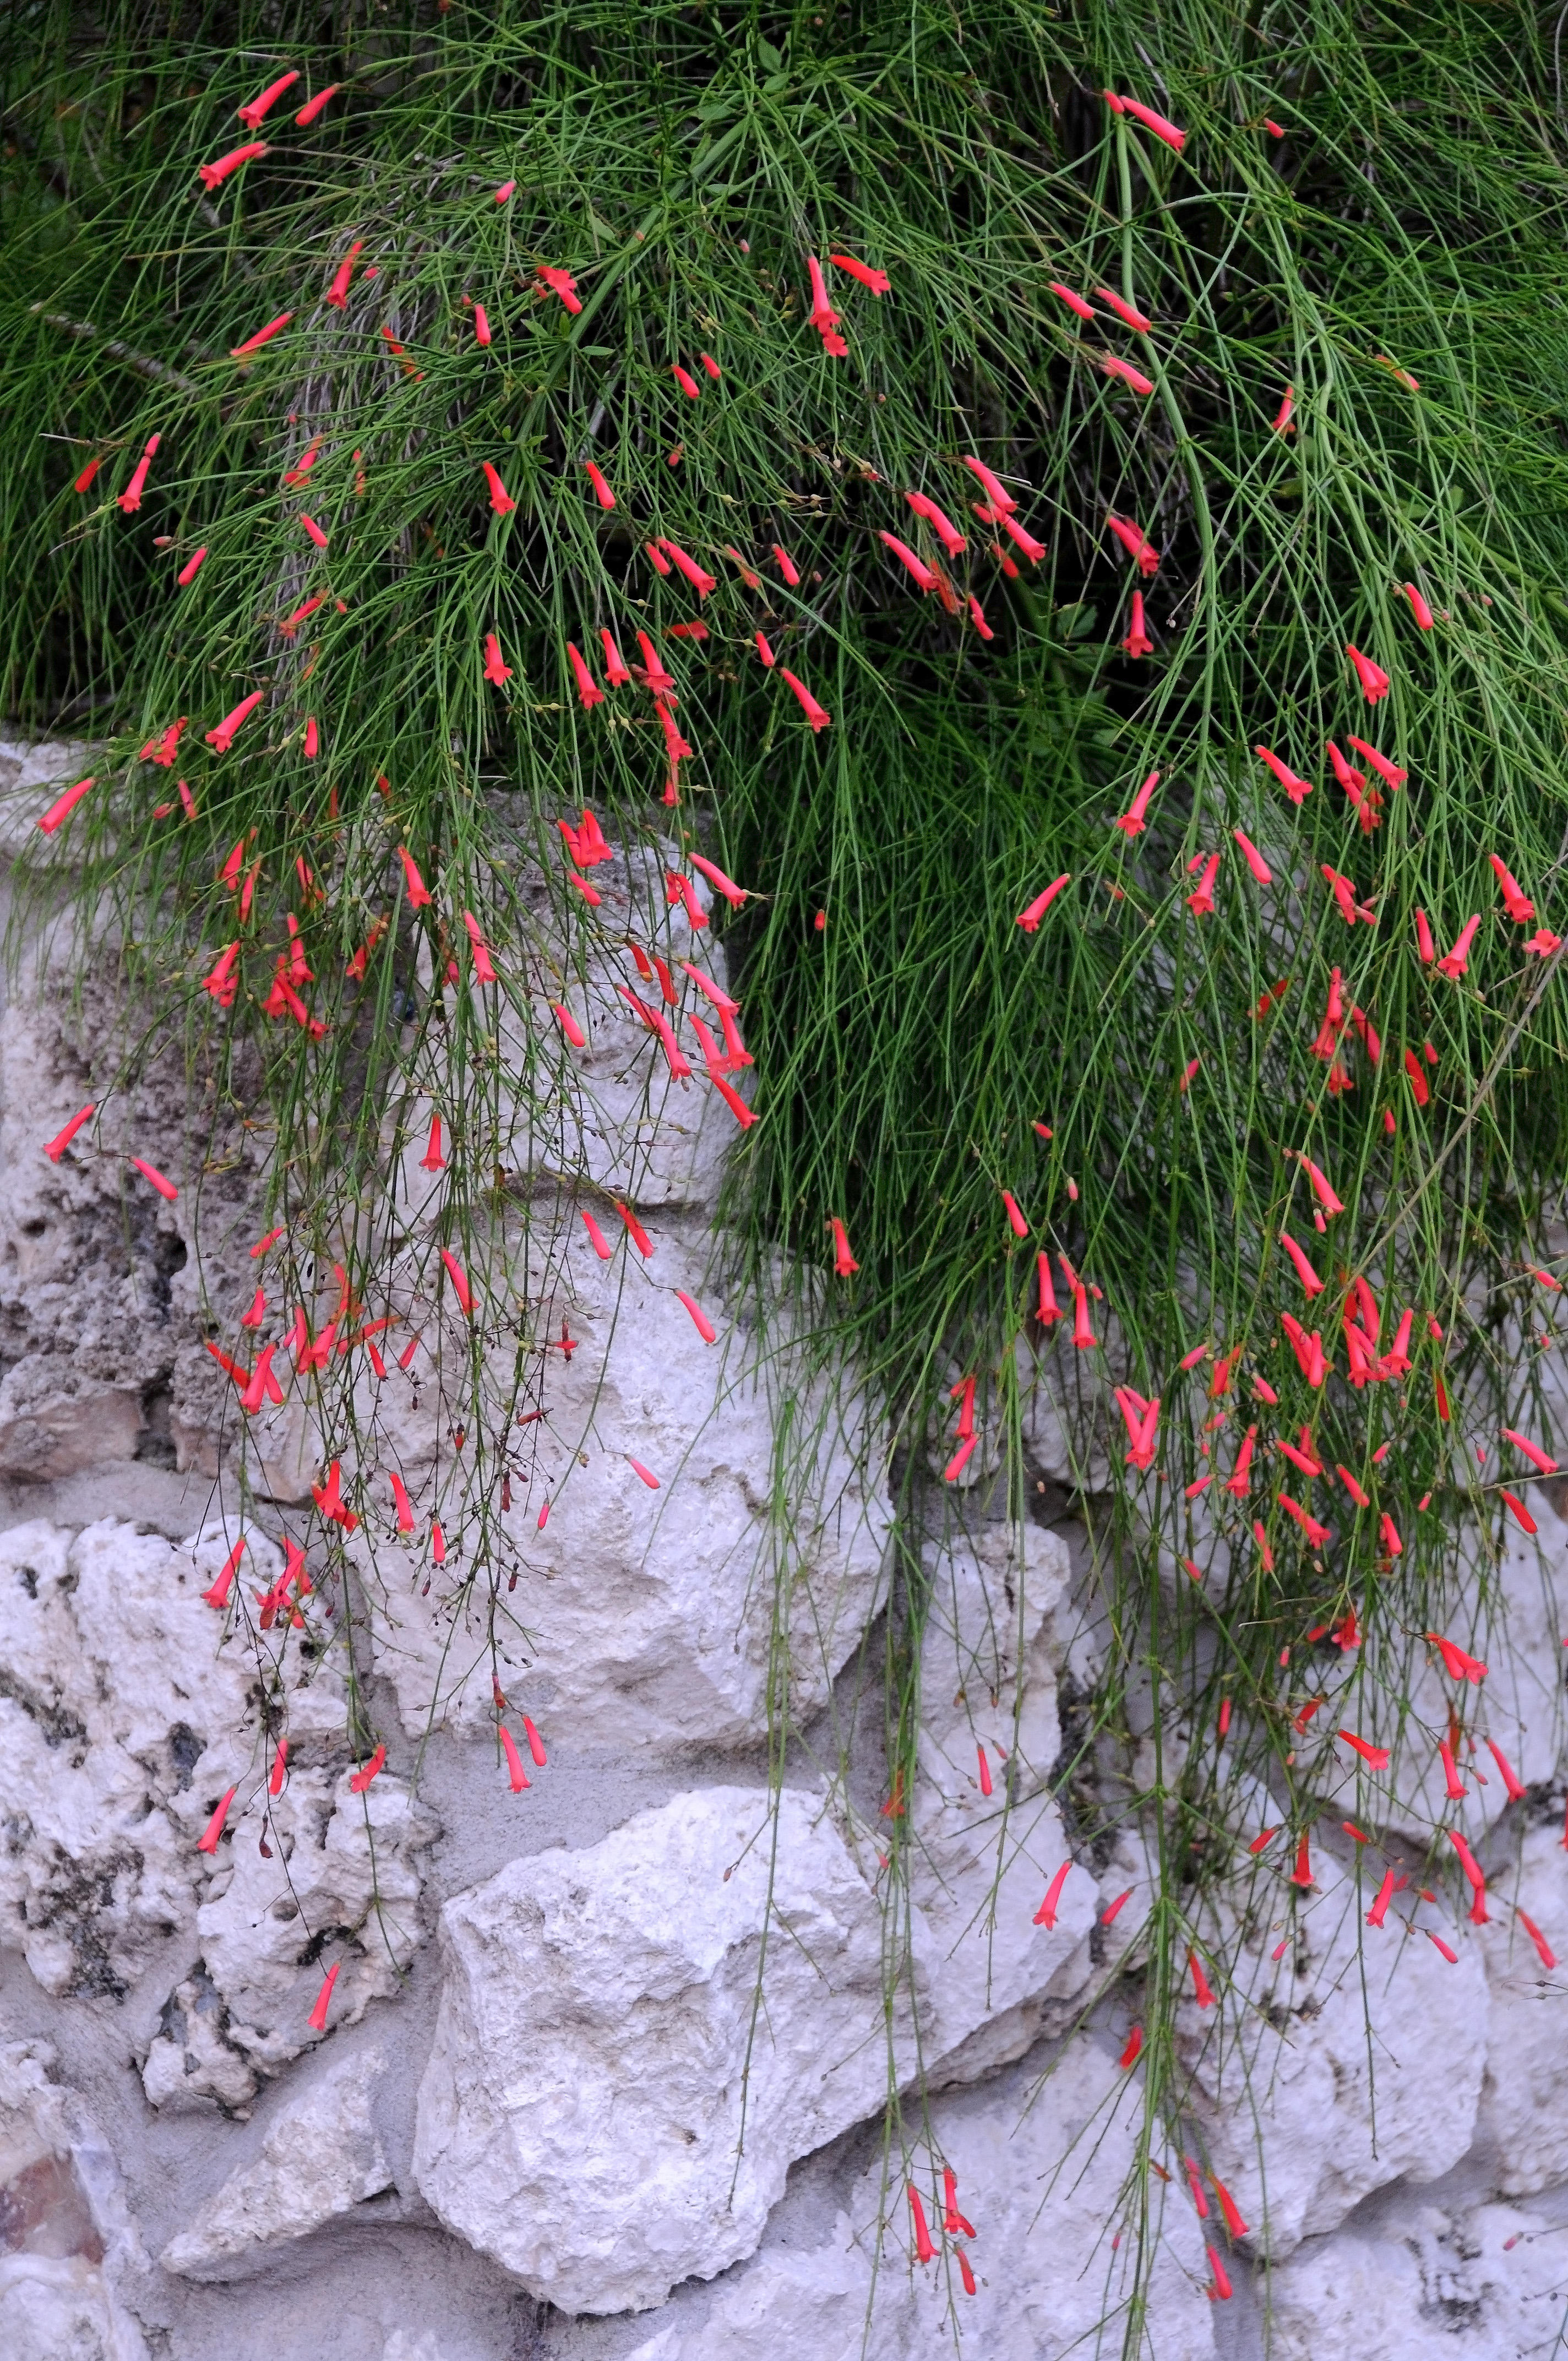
point(603, 2071)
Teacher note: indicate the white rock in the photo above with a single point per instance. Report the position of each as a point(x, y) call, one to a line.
point(615, 1113)
point(1524, 2107)
point(1487, 2284)
point(321, 2157)
point(1340, 2067)
point(647, 1617)
point(1042, 2176)
point(66, 2241)
point(598, 2038)
point(981, 1866)
point(127, 1710)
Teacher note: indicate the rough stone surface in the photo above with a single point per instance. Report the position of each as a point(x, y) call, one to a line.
point(981, 1865)
point(599, 2036)
point(127, 1710)
point(1342, 2066)
point(322, 2157)
point(648, 1616)
point(1524, 2108)
point(1482, 2283)
point(65, 2240)
point(1044, 2189)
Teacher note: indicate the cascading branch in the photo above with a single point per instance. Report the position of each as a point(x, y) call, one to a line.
point(512, 354)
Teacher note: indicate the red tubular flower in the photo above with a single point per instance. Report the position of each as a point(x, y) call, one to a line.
point(1520, 1513)
point(1083, 1336)
point(1132, 820)
point(1129, 2056)
point(561, 282)
point(1134, 378)
point(702, 582)
point(588, 689)
point(1321, 1188)
point(252, 112)
point(688, 383)
point(924, 2252)
point(1390, 772)
point(699, 1318)
point(977, 617)
point(786, 566)
point(481, 324)
point(496, 670)
point(1282, 416)
point(314, 531)
point(869, 276)
point(1222, 2282)
point(418, 891)
point(212, 176)
point(1375, 1757)
point(1136, 544)
point(1254, 858)
point(1454, 1785)
point(208, 1842)
point(221, 739)
point(500, 499)
point(63, 805)
point(1548, 1956)
point(1239, 1481)
point(337, 294)
point(941, 525)
point(1010, 1204)
point(1046, 1916)
point(129, 501)
point(1456, 962)
point(1304, 1271)
point(1375, 682)
point(1030, 919)
point(1137, 642)
point(1202, 902)
point(312, 740)
point(1296, 788)
point(459, 1278)
point(1455, 1663)
point(844, 1263)
point(814, 713)
point(149, 1173)
point(404, 1506)
point(996, 491)
point(483, 971)
point(1390, 1533)
point(85, 480)
point(1419, 607)
point(733, 894)
point(262, 336)
point(924, 577)
point(602, 493)
point(1126, 311)
point(1201, 1992)
point(1538, 1458)
point(1317, 1534)
point(1074, 302)
point(1516, 901)
point(305, 117)
point(1033, 550)
point(221, 980)
point(515, 1773)
point(570, 1027)
point(1352, 1486)
point(359, 1781)
point(291, 623)
point(1303, 1873)
point(1163, 128)
point(504, 191)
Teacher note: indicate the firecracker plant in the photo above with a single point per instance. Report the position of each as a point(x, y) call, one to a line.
point(1045, 528)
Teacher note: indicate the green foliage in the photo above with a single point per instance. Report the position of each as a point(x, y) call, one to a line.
point(1395, 259)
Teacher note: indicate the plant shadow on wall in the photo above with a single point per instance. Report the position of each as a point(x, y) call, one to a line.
point(1047, 604)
